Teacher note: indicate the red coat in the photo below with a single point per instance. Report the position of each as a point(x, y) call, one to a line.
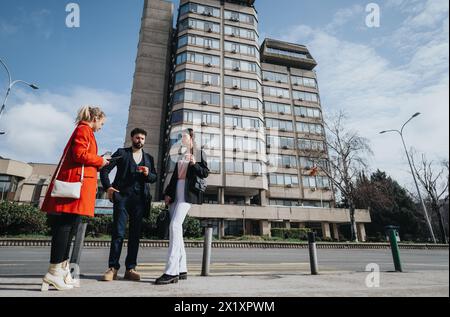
point(82, 150)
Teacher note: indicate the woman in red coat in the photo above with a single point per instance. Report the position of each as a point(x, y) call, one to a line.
point(65, 214)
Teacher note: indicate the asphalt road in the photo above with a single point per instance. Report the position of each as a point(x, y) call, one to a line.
point(24, 261)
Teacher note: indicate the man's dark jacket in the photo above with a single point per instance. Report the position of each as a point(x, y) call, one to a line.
point(123, 172)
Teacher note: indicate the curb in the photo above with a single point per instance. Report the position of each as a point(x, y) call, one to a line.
point(231, 245)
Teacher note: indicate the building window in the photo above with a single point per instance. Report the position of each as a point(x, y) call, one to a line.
point(308, 112)
point(196, 117)
point(206, 26)
point(283, 180)
point(198, 58)
point(243, 144)
point(280, 108)
point(210, 141)
point(276, 92)
point(282, 203)
point(242, 83)
point(316, 182)
point(283, 161)
point(275, 77)
point(304, 81)
point(287, 53)
point(311, 145)
point(311, 128)
point(281, 125)
point(236, 166)
point(305, 96)
point(237, 48)
point(197, 78)
point(195, 96)
point(240, 32)
point(240, 17)
point(242, 122)
point(214, 164)
point(8, 185)
point(199, 9)
point(243, 103)
point(309, 162)
point(240, 65)
point(281, 142)
point(205, 42)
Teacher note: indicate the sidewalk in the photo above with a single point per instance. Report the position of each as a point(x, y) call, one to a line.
point(328, 284)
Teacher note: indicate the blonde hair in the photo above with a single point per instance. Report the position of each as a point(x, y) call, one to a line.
point(89, 113)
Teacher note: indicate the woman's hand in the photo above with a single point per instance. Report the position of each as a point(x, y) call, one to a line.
point(192, 160)
point(167, 200)
point(105, 163)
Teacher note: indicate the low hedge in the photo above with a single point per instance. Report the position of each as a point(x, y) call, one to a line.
point(297, 234)
point(17, 219)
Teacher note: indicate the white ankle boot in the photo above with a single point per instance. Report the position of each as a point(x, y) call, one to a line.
point(68, 279)
point(55, 277)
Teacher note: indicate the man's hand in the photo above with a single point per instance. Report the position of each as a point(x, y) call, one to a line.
point(145, 170)
point(167, 200)
point(111, 192)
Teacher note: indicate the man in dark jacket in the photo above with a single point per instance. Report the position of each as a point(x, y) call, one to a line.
point(130, 193)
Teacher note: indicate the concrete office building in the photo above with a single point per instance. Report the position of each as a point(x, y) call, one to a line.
point(256, 112)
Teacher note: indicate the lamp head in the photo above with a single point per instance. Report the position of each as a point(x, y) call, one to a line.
point(34, 86)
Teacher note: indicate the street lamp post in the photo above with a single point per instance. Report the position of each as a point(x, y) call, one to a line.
point(10, 86)
point(413, 174)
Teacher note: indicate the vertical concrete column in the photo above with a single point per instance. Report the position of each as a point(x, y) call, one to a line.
point(335, 228)
point(326, 232)
point(301, 225)
point(247, 200)
point(264, 200)
point(221, 196)
point(361, 232)
point(221, 228)
point(287, 224)
point(266, 227)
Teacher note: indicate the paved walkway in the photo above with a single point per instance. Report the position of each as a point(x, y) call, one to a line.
point(251, 284)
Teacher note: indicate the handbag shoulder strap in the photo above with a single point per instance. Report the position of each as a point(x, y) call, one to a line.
point(69, 145)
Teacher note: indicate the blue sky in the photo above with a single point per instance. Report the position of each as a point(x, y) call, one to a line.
point(379, 75)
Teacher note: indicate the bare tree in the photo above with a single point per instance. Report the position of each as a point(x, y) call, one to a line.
point(435, 182)
point(347, 151)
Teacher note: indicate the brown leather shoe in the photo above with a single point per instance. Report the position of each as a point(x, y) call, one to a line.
point(110, 275)
point(132, 275)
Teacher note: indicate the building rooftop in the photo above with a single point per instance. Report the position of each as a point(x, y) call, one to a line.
point(250, 3)
point(287, 54)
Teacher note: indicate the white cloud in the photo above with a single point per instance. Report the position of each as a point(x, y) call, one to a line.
point(343, 16)
point(379, 93)
point(38, 125)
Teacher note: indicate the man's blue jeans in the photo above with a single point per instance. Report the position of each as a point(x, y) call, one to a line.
point(126, 207)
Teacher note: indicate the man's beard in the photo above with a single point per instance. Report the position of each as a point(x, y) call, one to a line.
point(138, 145)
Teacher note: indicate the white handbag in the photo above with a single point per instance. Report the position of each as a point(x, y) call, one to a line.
point(66, 189)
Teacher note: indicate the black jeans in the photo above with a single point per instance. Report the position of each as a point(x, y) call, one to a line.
point(64, 227)
point(126, 207)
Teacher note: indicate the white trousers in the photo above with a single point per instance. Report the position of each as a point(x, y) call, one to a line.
point(176, 259)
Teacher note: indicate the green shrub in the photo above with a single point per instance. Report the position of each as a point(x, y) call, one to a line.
point(100, 225)
point(16, 219)
point(192, 228)
point(290, 234)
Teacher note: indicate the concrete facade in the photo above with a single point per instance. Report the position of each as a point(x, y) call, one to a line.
point(149, 94)
point(218, 87)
